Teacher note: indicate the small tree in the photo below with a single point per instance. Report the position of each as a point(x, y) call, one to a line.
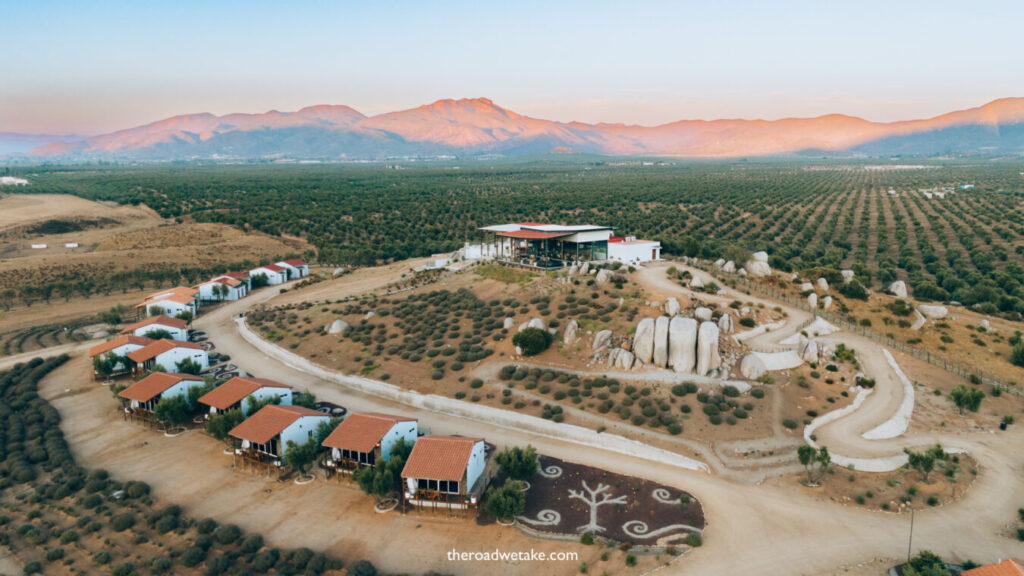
point(105, 364)
point(924, 462)
point(384, 479)
point(300, 456)
point(518, 463)
point(188, 366)
point(815, 462)
point(185, 315)
point(966, 398)
point(532, 341)
point(305, 399)
point(324, 429)
point(219, 425)
point(173, 411)
point(254, 404)
point(197, 392)
point(159, 334)
point(507, 502)
point(1017, 356)
point(155, 310)
point(259, 281)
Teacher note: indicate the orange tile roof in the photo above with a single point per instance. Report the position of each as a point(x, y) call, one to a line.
point(119, 341)
point(153, 385)
point(235, 390)
point(222, 280)
point(270, 421)
point(440, 457)
point(179, 290)
point(162, 320)
point(294, 262)
point(238, 275)
point(179, 298)
point(363, 431)
point(159, 347)
point(1007, 567)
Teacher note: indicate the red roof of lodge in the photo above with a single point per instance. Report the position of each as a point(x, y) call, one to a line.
point(270, 421)
point(439, 457)
point(156, 383)
point(159, 347)
point(161, 320)
point(295, 262)
point(273, 267)
point(362, 431)
point(119, 341)
point(614, 239)
point(533, 235)
point(1007, 567)
point(238, 275)
point(235, 390)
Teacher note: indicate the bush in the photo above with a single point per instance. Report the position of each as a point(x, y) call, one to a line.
point(694, 540)
point(757, 393)
point(193, 556)
point(206, 526)
point(34, 567)
point(101, 558)
point(532, 341)
point(218, 565)
point(790, 423)
point(54, 554)
point(747, 321)
point(124, 569)
point(122, 522)
point(227, 534)
point(362, 568)
point(160, 564)
point(586, 539)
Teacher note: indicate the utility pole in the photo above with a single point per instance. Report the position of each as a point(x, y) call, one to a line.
point(910, 541)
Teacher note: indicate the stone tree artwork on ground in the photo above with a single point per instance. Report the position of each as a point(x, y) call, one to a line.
point(591, 499)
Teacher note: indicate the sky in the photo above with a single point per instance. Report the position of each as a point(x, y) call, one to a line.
point(92, 67)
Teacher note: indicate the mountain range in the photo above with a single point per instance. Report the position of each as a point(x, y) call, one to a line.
point(478, 126)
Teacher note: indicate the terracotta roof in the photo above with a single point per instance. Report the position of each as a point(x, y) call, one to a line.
point(295, 262)
point(238, 275)
point(153, 385)
point(273, 267)
point(222, 280)
point(439, 457)
point(180, 299)
point(270, 421)
point(533, 235)
point(362, 431)
point(159, 347)
point(162, 320)
point(1005, 568)
point(179, 290)
point(119, 341)
point(235, 390)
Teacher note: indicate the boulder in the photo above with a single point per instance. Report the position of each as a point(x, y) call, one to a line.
point(847, 276)
point(682, 344)
point(585, 269)
point(602, 340)
point(603, 276)
point(806, 287)
point(536, 323)
point(725, 323)
point(643, 340)
point(745, 311)
point(898, 289)
point(100, 334)
point(752, 367)
point(338, 272)
point(696, 282)
point(812, 300)
point(708, 358)
point(671, 307)
point(338, 327)
point(621, 359)
point(758, 265)
point(660, 356)
point(986, 325)
point(742, 272)
point(570, 332)
point(729, 267)
point(702, 313)
point(369, 315)
point(519, 351)
point(809, 351)
point(508, 323)
point(573, 270)
point(826, 302)
point(935, 312)
point(822, 284)
point(720, 262)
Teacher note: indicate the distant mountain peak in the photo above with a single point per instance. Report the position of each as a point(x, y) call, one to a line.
point(479, 126)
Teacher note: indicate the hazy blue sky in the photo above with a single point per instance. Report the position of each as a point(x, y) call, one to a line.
point(91, 66)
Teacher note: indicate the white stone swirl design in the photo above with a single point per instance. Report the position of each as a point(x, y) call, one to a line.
point(551, 471)
point(664, 496)
point(544, 518)
point(639, 529)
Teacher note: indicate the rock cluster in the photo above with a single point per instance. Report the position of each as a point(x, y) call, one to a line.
point(569, 337)
point(933, 312)
point(898, 289)
point(822, 284)
point(603, 275)
point(758, 265)
point(338, 327)
point(678, 343)
point(847, 276)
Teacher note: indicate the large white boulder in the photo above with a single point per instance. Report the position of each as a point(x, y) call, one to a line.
point(696, 282)
point(826, 302)
point(620, 358)
point(729, 267)
point(820, 327)
point(986, 325)
point(585, 269)
point(822, 284)
point(809, 352)
point(898, 289)
point(603, 275)
point(602, 340)
point(671, 307)
point(720, 262)
point(643, 341)
point(752, 366)
point(702, 313)
point(847, 276)
point(933, 312)
point(725, 325)
point(806, 287)
point(338, 327)
point(682, 344)
point(508, 323)
point(569, 337)
point(708, 358)
point(536, 323)
point(812, 300)
point(660, 356)
point(758, 265)
point(573, 270)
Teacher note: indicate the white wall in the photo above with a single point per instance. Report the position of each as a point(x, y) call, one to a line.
point(171, 358)
point(592, 236)
point(403, 430)
point(633, 253)
point(170, 307)
point(179, 389)
point(121, 350)
point(475, 467)
point(274, 278)
point(234, 292)
point(300, 431)
point(177, 333)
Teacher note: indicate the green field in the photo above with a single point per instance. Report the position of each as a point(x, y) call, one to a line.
point(967, 247)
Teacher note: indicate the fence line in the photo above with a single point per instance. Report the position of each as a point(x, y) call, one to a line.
point(922, 354)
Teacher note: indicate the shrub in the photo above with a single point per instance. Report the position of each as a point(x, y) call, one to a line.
point(34, 567)
point(694, 540)
point(54, 554)
point(362, 568)
point(227, 534)
point(160, 564)
point(790, 423)
point(122, 522)
point(757, 393)
point(193, 556)
point(124, 569)
point(518, 463)
point(532, 341)
point(206, 526)
point(101, 558)
point(747, 321)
